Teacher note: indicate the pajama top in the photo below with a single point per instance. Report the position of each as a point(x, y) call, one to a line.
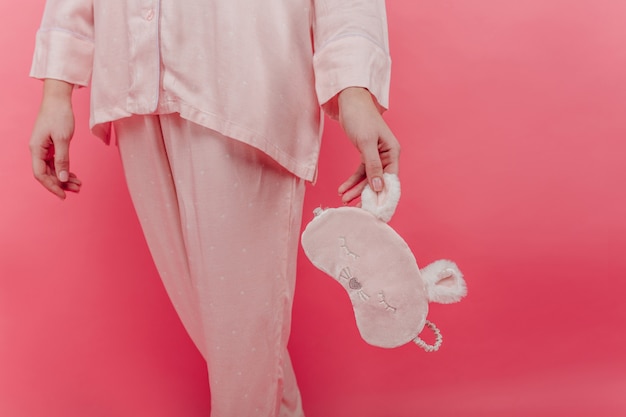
point(254, 70)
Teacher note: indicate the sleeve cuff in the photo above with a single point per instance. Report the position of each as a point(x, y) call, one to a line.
point(64, 56)
point(352, 61)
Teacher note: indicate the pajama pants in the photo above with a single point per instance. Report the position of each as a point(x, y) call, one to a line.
point(222, 222)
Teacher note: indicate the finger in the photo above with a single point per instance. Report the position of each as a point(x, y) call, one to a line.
point(353, 193)
point(354, 179)
point(69, 186)
point(390, 153)
point(373, 167)
point(41, 172)
point(74, 179)
point(52, 184)
point(61, 159)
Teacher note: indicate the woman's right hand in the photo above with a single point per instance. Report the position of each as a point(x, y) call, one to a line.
point(50, 139)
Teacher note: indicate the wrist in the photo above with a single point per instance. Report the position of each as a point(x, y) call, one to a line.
point(57, 90)
point(351, 94)
point(357, 99)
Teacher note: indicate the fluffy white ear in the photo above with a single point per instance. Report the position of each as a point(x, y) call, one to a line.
point(444, 282)
point(383, 204)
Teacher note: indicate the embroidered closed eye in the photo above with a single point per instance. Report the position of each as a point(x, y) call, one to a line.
point(344, 246)
point(381, 300)
point(353, 283)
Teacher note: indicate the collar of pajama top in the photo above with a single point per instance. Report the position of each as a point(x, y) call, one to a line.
point(254, 70)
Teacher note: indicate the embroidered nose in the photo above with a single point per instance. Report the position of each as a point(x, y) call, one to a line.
point(354, 284)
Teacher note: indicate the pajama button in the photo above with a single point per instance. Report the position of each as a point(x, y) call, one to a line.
point(149, 15)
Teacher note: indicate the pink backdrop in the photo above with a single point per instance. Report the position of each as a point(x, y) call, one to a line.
point(512, 120)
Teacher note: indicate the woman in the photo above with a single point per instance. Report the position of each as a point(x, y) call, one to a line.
point(215, 106)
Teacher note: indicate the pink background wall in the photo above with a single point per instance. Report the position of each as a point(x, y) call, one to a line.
point(512, 116)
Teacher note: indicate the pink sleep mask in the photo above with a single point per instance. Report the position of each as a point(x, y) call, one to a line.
point(389, 293)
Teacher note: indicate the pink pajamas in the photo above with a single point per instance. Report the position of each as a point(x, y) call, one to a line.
point(222, 221)
point(221, 211)
point(252, 70)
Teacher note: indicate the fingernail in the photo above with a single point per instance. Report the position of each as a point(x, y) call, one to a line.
point(64, 176)
point(377, 183)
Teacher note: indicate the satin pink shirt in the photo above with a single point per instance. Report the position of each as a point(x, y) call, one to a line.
point(254, 70)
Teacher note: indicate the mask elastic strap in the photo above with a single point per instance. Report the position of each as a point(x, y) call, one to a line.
point(438, 339)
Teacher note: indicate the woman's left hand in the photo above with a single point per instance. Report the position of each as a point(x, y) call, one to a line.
point(380, 151)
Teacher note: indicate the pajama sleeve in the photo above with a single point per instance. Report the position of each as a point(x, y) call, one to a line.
point(351, 49)
point(64, 44)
